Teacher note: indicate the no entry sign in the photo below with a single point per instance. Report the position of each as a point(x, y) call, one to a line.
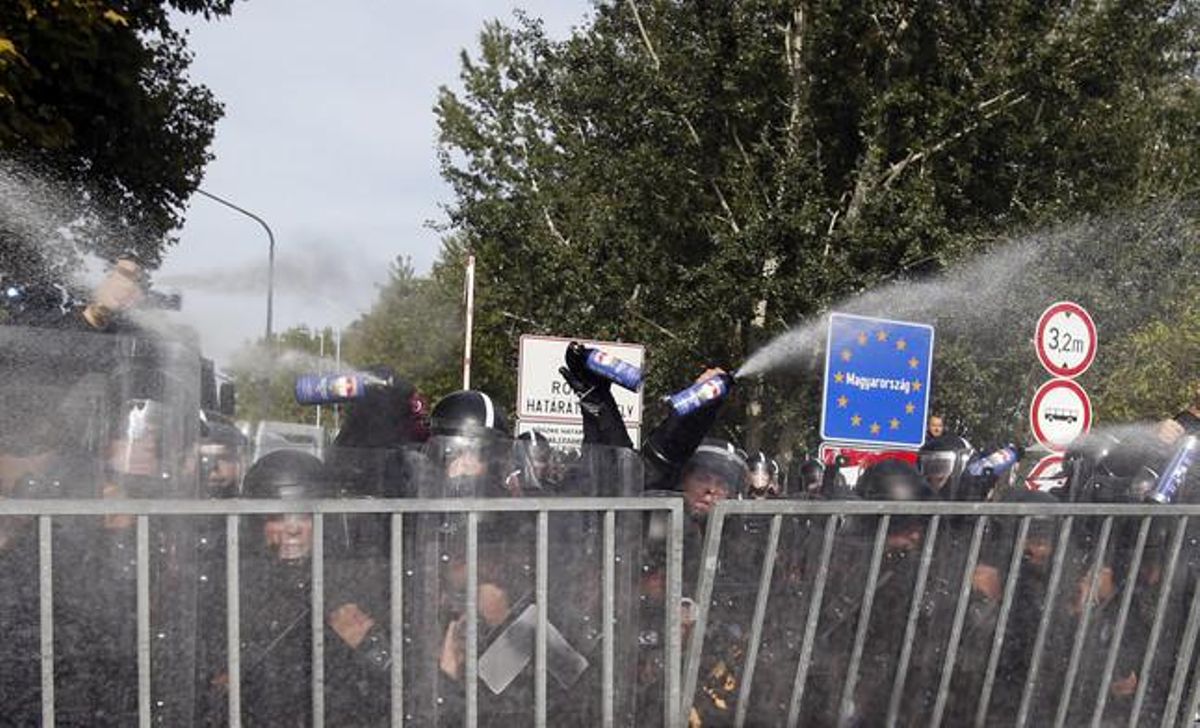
point(1066, 339)
point(1060, 412)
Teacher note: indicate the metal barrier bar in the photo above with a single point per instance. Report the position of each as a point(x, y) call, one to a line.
point(609, 616)
point(1183, 661)
point(910, 627)
point(472, 620)
point(1085, 618)
point(768, 507)
point(1110, 662)
point(810, 623)
point(675, 714)
point(1193, 701)
point(328, 506)
point(1039, 644)
point(850, 683)
point(233, 625)
point(1160, 612)
point(543, 609)
point(1010, 589)
point(397, 620)
point(760, 615)
point(143, 619)
point(708, 575)
point(960, 614)
point(46, 616)
point(318, 621)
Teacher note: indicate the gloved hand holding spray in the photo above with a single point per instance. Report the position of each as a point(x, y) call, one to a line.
point(587, 367)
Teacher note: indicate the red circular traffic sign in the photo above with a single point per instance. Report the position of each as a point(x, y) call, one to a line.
point(1046, 474)
point(1060, 412)
point(1066, 339)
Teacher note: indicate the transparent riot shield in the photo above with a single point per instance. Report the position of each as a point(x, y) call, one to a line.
point(91, 416)
point(519, 607)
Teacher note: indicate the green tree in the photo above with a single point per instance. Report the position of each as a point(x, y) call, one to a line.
point(699, 176)
point(415, 327)
point(271, 370)
point(94, 96)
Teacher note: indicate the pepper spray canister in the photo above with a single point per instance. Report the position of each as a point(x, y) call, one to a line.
point(1166, 490)
point(334, 388)
point(699, 394)
point(619, 371)
point(998, 462)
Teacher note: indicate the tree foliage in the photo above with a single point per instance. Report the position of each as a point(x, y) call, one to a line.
point(700, 176)
point(94, 94)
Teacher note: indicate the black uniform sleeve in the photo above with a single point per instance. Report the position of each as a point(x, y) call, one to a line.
point(670, 445)
point(602, 423)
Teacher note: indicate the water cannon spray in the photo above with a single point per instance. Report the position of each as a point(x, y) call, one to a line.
point(319, 389)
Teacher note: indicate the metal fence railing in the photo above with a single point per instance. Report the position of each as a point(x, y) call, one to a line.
point(913, 635)
point(790, 596)
point(46, 511)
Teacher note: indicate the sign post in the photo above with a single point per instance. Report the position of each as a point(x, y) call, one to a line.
point(876, 382)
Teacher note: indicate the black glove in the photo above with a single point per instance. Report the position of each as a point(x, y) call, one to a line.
point(375, 651)
point(576, 373)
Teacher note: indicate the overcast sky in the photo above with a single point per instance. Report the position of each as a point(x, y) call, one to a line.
point(328, 134)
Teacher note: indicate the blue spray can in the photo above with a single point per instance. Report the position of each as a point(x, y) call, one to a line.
point(701, 393)
point(999, 462)
point(333, 388)
point(616, 370)
point(1166, 490)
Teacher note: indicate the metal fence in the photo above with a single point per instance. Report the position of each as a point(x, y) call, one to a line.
point(1171, 613)
point(1087, 544)
point(47, 510)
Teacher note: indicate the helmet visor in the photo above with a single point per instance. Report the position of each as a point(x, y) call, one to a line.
point(937, 467)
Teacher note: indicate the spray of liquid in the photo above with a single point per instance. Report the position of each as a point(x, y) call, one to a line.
point(994, 292)
point(258, 360)
point(45, 227)
point(319, 270)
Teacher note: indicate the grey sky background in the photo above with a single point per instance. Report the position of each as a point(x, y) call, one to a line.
point(329, 135)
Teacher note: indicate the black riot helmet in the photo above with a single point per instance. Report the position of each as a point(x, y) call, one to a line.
point(1085, 461)
point(893, 480)
point(222, 456)
point(533, 460)
point(1117, 471)
point(470, 445)
point(942, 461)
point(721, 458)
point(763, 478)
point(286, 475)
point(468, 413)
point(807, 475)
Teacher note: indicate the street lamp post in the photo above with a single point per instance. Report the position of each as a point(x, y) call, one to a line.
point(266, 389)
point(270, 256)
